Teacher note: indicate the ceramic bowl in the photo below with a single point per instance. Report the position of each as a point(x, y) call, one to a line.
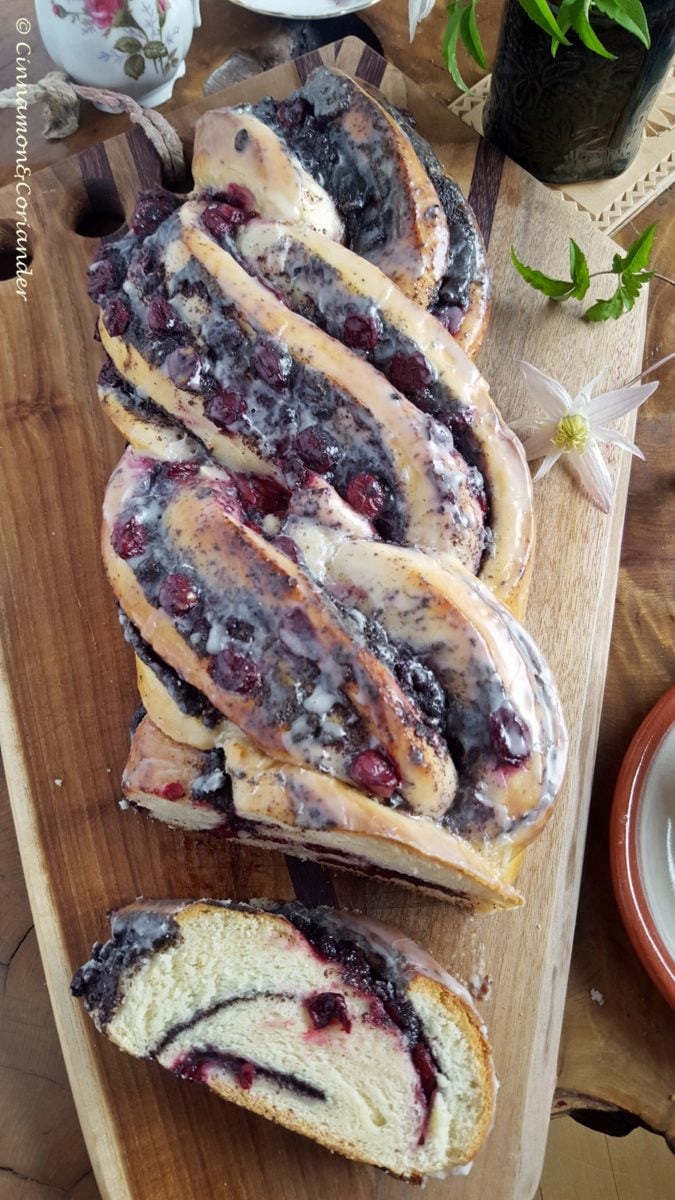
point(642, 840)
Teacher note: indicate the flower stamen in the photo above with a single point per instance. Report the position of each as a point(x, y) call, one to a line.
point(572, 432)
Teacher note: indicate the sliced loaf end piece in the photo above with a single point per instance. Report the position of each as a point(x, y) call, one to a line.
point(332, 1025)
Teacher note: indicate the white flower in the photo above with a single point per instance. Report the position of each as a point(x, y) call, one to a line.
point(576, 427)
point(417, 11)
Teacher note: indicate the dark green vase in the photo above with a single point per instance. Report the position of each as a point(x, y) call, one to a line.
point(576, 116)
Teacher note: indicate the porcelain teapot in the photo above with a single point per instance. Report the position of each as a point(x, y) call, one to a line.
point(132, 46)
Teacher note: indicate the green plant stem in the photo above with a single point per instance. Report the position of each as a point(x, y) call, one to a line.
point(654, 367)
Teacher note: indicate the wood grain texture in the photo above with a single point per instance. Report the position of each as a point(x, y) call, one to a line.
point(68, 676)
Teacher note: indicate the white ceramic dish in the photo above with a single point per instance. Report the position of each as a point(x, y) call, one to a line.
point(642, 839)
point(316, 10)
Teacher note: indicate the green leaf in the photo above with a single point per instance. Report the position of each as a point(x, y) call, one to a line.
point(134, 66)
point(565, 17)
point(471, 37)
point(629, 14)
point(539, 12)
point(579, 270)
point(555, 289)
point(638, 253)
point(632, 284)
point(582, 27)
point(155, 50)
point(566, 13)
point(605, 310)
point(449, 45)
point(127, 45)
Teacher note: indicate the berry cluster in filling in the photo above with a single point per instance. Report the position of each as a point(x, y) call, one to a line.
point(358, 176)
point(250, 647)
point(249, 650)
point(251, 387)
point(248, 384)
point(318, 292)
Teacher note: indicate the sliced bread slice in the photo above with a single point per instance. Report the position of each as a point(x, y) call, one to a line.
point(332, 1025)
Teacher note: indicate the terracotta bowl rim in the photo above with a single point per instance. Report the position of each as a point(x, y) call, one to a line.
point(624, 853)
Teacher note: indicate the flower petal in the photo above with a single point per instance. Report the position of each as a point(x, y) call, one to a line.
point(591, 471)
point(417, 11)
point(540, 442)
point(617, 439)
point(548, 393)
point(549, 461)
point(584, 398)
point(611, 405)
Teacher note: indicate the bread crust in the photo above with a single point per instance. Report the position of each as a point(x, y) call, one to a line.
point(474, 326)
point(267, 796)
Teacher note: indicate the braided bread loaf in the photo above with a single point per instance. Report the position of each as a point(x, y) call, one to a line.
point(321, 535)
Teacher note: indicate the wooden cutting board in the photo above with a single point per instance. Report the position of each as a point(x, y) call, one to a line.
point(67, 692)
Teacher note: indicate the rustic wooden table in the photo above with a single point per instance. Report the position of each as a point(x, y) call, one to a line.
point(617, 1059)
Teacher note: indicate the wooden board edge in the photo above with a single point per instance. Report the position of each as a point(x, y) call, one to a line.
point(542, 1098)
point(77, 1045)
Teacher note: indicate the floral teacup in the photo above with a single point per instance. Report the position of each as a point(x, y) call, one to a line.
point(132, 46)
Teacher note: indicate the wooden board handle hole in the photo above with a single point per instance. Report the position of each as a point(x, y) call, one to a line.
point(92, 221)
point(15, 247)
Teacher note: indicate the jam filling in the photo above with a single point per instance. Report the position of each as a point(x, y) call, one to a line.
point(328, 1008)
point(374, 975)
point(202, 1014)
point(247, 384)
point(309, 123)
point(189, 699)
point(131, 943)
point(317, 292)
point(198, 1065)
point(249, 652)
point(359, 176)
point(247, 649)
point(250, 386)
